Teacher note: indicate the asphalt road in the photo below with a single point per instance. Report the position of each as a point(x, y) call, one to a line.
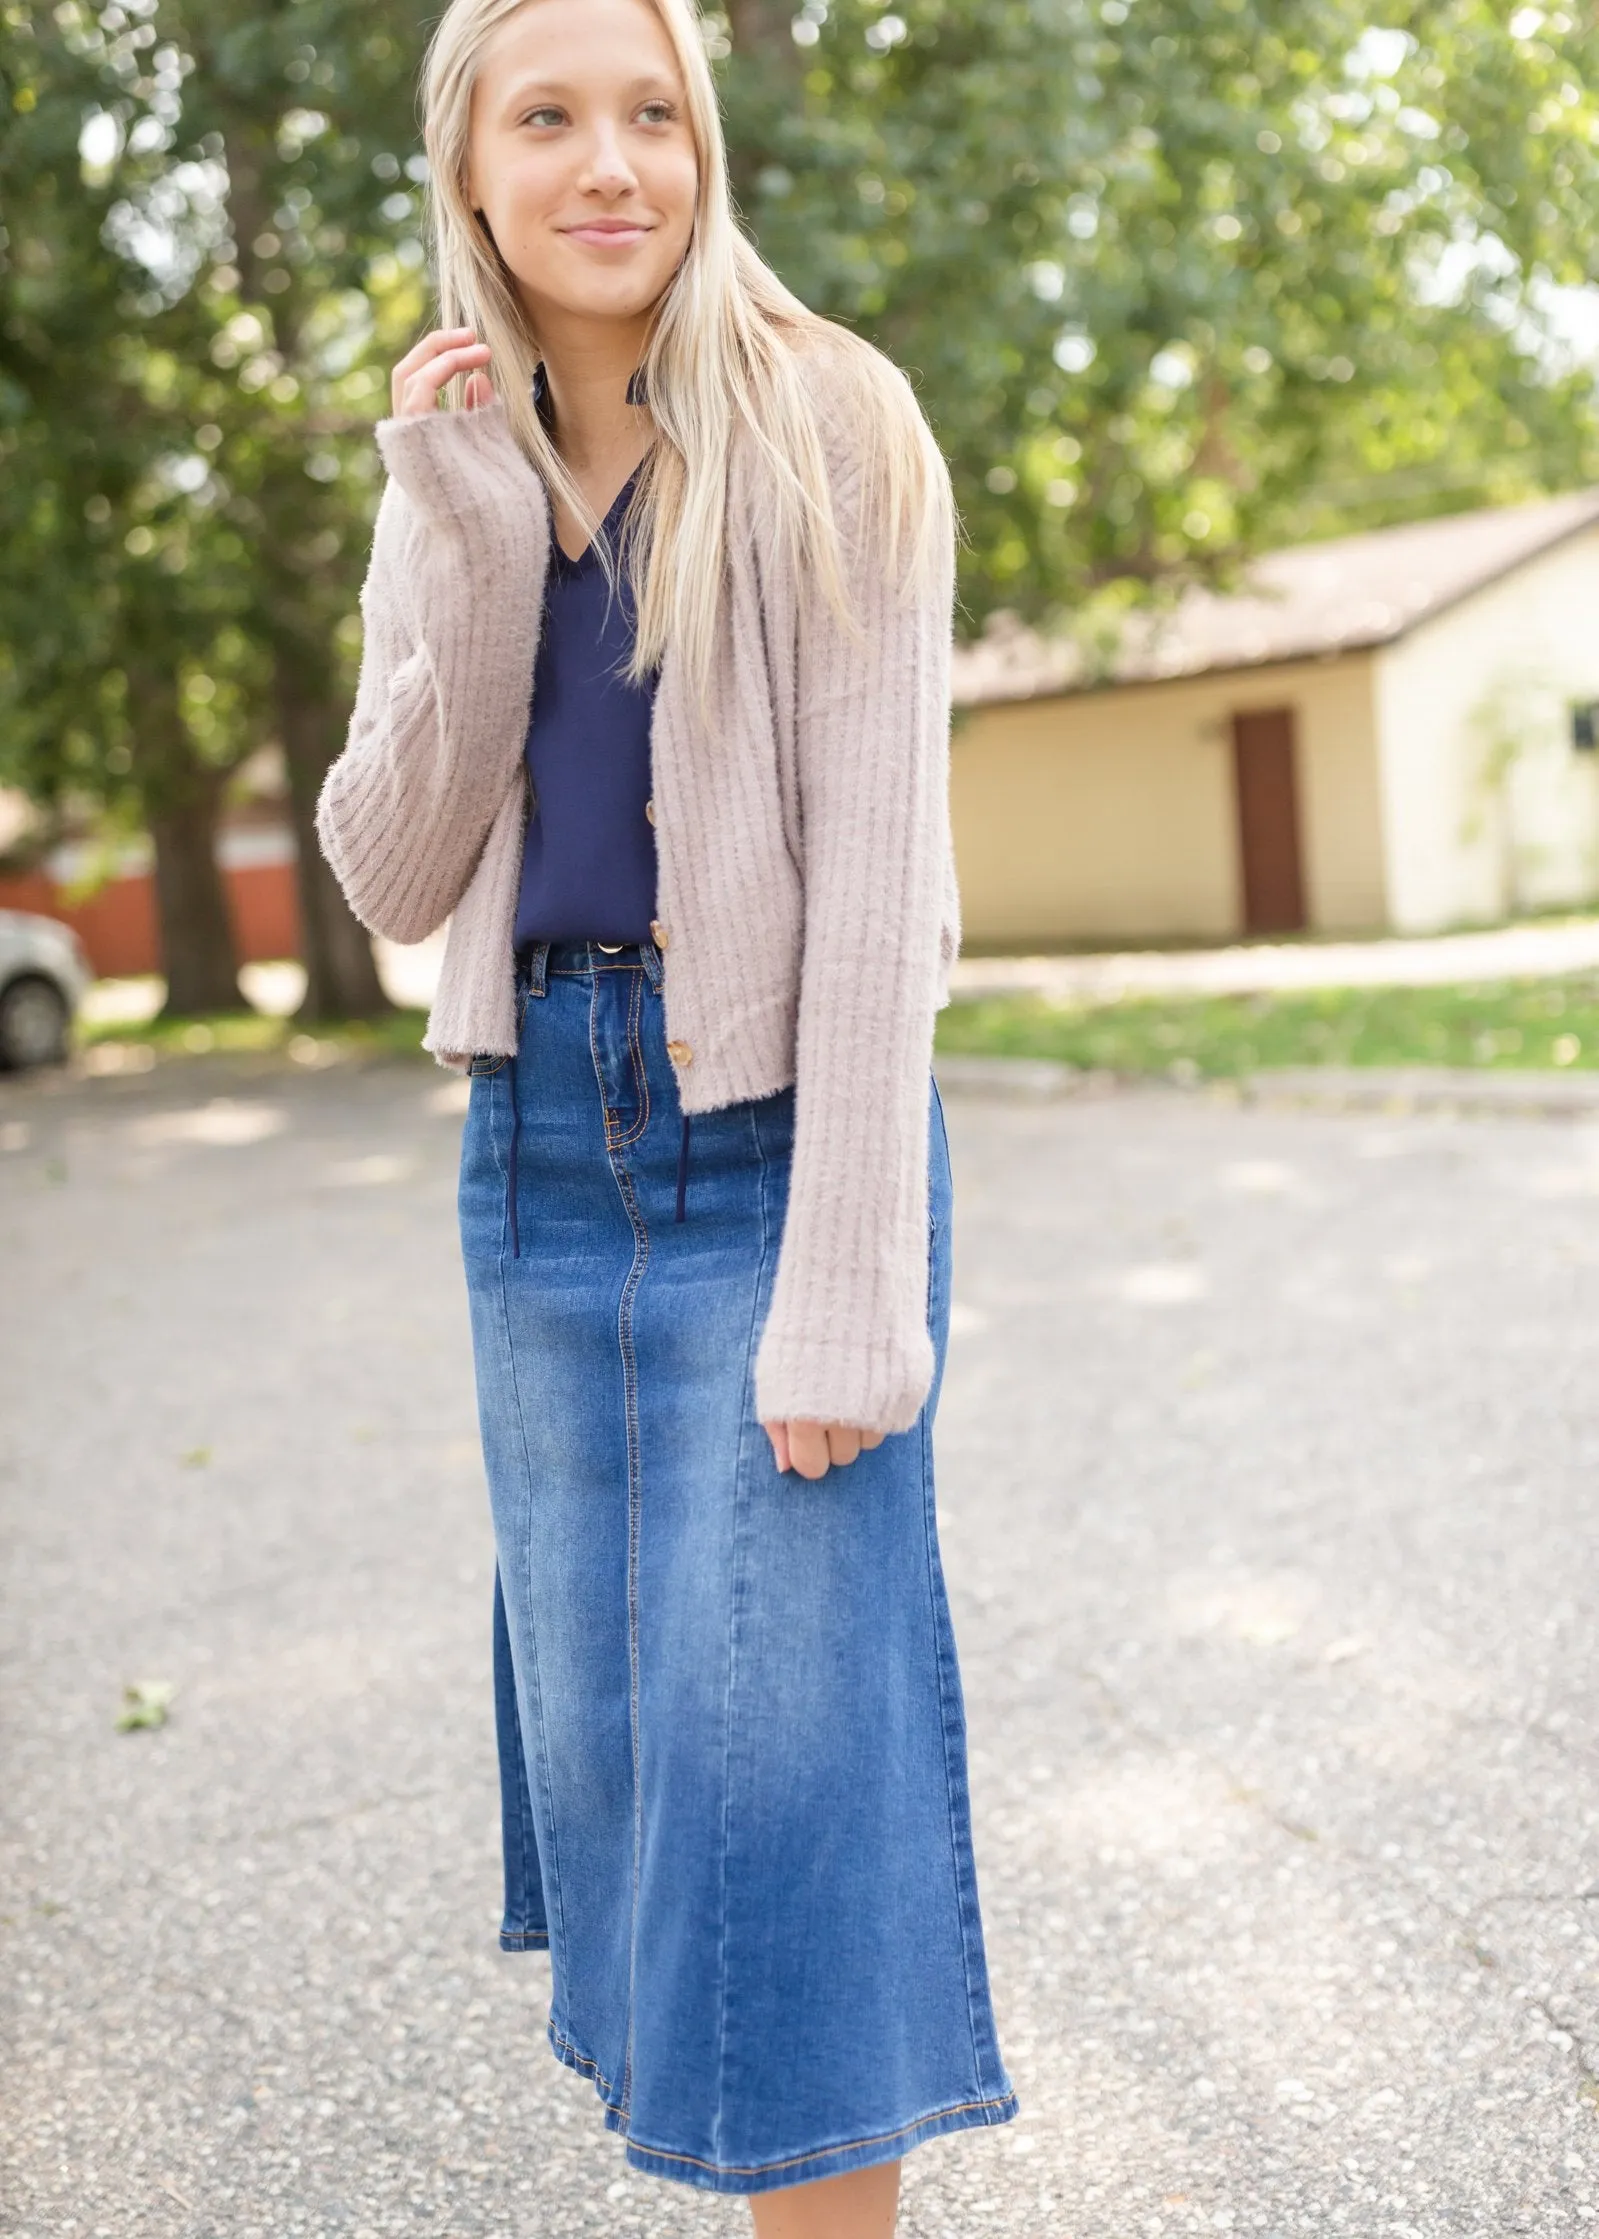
point(1268, 1461)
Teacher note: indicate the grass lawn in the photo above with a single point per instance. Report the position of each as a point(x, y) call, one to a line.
point(1515, 1023)
point(243, 1032)
point(1512, 1023)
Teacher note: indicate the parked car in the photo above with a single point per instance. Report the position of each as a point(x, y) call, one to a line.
point(44, 974)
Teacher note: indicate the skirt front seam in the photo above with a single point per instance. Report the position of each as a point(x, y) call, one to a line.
point(630, 1289)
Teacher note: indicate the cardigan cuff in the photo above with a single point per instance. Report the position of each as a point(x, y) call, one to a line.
point(453, 465)
point(843, 1377)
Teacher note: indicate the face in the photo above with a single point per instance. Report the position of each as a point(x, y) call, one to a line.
point(581, 158)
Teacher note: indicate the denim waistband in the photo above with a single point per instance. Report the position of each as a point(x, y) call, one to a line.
point(537, 960)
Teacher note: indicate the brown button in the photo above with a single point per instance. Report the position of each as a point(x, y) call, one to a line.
point(658, 934)
point(649, 810)
point(680, 1053)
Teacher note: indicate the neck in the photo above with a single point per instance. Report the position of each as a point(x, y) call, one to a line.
point(588, 366)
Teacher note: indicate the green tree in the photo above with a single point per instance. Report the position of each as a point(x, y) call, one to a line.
point(210, 370)
point(308, 264)
point(117, 590)
point(1180, 278)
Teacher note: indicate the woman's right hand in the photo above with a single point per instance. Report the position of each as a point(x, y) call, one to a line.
point(422, 372)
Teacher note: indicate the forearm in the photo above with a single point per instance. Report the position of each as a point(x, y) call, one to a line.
point(450, 609)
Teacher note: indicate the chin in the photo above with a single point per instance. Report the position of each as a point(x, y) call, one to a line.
point(621, 295)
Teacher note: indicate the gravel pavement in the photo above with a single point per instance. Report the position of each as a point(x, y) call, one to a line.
point(1268, 1460)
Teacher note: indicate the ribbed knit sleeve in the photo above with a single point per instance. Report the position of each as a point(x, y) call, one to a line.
point(846, 1339)
point(450, 609)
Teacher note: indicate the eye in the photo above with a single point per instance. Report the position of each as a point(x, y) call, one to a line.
point(546, 110)
point(668, 112)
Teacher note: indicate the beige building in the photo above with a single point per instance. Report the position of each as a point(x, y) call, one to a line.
point(1394, 730)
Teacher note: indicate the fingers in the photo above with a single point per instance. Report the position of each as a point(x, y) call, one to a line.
point(479, 390)
point(423, 371)
point(807, 1449)
point(812, 1449)
point(843, 1444)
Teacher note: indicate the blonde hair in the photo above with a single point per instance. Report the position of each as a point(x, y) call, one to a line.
point(728, 345)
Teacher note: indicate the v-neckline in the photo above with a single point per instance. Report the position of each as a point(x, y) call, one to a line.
point(573, 562)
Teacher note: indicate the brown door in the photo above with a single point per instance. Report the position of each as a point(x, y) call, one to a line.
point(1268, 821)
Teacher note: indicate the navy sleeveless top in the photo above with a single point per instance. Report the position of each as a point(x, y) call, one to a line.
point(588, 855)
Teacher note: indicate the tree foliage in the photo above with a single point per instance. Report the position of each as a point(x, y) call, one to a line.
point(1180, 278)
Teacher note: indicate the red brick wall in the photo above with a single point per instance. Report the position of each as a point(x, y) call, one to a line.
point(119, 928)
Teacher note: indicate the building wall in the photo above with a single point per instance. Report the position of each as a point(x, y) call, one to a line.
point(117, 921)
point(1106, 816)
point(1488, 810)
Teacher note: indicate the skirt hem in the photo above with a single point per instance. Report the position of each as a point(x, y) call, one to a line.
point(792, 2169)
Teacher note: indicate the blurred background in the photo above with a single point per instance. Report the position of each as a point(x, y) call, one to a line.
point(1262, 339)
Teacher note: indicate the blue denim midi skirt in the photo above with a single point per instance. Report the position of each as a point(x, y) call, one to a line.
point(732, 1746)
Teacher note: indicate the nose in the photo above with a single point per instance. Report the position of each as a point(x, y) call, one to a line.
point(605, 168)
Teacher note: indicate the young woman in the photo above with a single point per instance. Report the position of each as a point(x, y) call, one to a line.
point(654, 706)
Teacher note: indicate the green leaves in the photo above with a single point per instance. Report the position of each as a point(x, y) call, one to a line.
point(1184, 278)
point(145, 1704)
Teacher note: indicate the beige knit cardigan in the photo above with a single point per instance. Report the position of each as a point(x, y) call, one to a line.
point(805, 874)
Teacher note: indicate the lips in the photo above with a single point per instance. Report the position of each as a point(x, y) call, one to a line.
point(606, 235)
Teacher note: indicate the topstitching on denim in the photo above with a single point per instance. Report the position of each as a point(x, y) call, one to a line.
point(820, 2154)
point(620, 1139)
point(624, 1331)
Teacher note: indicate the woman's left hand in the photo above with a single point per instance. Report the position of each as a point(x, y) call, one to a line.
point(814, 1448)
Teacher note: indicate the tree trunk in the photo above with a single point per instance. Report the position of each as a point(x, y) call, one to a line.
point(762, 27)
point(196, 932)
point(341, 979)
point(771, 66)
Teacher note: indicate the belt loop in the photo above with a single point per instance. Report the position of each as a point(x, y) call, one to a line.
point(537, 964)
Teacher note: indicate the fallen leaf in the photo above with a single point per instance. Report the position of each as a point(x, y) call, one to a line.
point(144, 1705)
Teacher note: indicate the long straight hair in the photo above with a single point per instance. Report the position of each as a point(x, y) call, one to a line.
point(727, 345)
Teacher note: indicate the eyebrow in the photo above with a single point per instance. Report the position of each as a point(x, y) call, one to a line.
point(652, 82)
